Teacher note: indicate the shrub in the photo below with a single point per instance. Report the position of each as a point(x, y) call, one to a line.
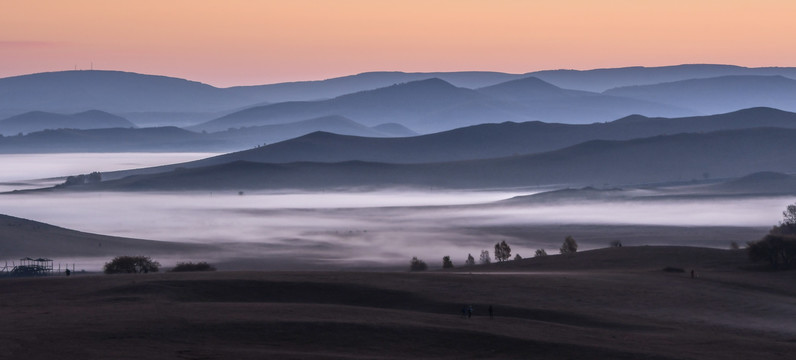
point(517, 257)
point(131, 265)
point(540, 252)
point(673, 269)
point(417, 265)
point(189, 266)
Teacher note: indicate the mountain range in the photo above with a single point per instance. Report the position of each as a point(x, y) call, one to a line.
point(486, 140)
point(148, 100)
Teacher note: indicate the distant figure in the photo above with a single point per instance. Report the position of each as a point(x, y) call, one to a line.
point(68, 272)
point(490, 312)
point(692, 273)
point(464, 311)
point(470, 312)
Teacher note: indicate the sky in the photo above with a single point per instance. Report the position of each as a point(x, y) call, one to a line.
point(247, 42)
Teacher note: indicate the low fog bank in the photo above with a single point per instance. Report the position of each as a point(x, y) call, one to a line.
point(385, 229)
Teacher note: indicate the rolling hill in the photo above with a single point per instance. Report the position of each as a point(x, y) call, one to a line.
point(166, 139)
point(658, 159)
point(39, 120)
point(718, 94)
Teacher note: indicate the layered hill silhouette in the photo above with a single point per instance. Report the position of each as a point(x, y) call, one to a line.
point(600, 80)
point(541, 100)
point(39, 120)
point(425, 106)
point(658, 159)
point(435, 105)
point(487, 140)
point(718, 94)
point(149, 100)
point(164, 139)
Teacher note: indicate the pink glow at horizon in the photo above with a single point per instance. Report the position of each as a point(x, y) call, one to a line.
point(246, 42)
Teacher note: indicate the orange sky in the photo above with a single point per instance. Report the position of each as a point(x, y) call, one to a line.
point(242, 42)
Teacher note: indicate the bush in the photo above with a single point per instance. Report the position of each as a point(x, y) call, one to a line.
point(131, 265)
point(540, 252)
point(517, 257)
point(417, 265)
point(189, 266)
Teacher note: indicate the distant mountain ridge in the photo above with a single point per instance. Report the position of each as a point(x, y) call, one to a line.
point(40, 120)
point(150, 100)
point(170, 139)
point(433, 105)
point(719, 94)
point(494, 140)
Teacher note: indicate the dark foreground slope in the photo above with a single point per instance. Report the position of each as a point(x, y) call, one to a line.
point(621, 314)
point(660, 159)
point(26, 238)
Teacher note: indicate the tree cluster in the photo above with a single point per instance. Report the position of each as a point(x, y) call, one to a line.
point(570, 246)
point(417, 264)
point(446, 262)
point(131, 265)
point(502, 251)
point(82, 179)
point(778, 248)
point(189, 266)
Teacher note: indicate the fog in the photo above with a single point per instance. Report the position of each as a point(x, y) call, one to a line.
point(380, 228)
point(362, 229)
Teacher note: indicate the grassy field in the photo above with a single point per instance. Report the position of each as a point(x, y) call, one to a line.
point(604, 304)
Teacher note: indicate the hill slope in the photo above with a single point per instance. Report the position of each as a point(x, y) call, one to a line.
point(27, 238)
point(39, 120)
